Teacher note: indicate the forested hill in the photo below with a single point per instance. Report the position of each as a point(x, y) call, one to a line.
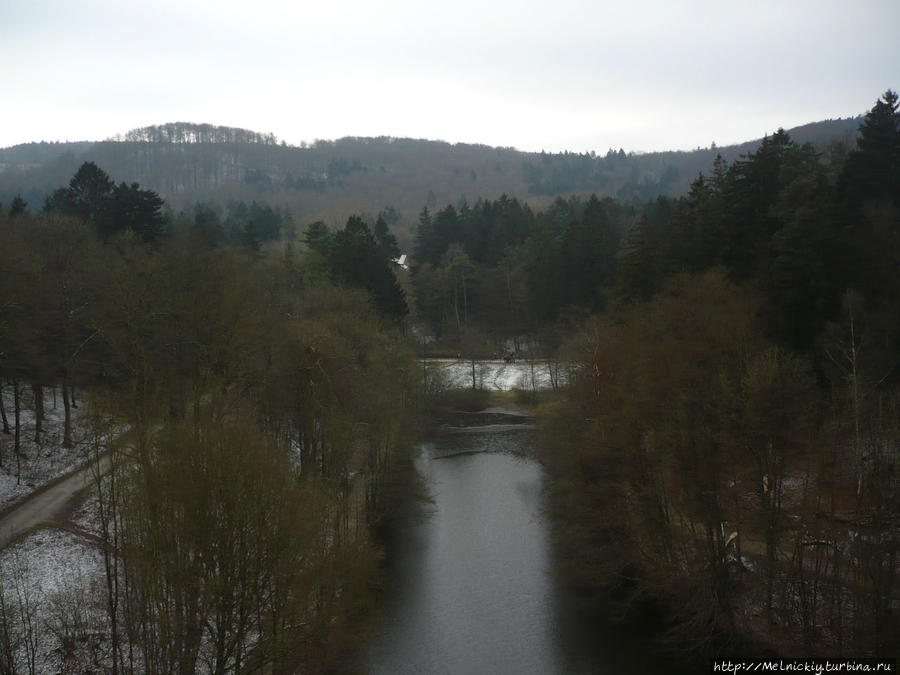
point(330, 180)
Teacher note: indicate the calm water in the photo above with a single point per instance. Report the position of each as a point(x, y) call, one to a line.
point(472, 586)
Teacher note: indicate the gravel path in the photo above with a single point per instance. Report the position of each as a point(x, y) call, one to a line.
point(48, 504)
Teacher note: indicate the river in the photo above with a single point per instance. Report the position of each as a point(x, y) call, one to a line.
point(471, 583)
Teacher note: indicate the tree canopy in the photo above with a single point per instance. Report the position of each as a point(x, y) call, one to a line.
point(110, 208)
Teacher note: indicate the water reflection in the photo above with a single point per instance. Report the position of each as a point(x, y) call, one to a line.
point(472, 585)
point(477, 598)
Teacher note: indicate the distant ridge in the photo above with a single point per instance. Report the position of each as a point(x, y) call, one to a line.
point(329, 180)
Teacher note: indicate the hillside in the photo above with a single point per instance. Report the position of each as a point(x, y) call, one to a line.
point(330, 180)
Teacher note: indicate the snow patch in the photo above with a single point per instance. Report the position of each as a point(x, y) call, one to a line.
point(41, 462)
point(44, 578)
point(495, 375)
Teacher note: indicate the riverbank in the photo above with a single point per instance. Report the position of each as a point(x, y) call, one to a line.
point(458, 587)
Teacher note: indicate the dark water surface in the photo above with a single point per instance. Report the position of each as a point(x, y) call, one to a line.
point(472, 589)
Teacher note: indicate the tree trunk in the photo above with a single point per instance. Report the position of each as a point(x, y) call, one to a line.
point(424, 369)
point(465, 302)
point(17, 412)
point(509, 300)
point(306, 454)
point(109, 532)
point(456, 311)
point(38, 392)
point(3, 415)
point(67, 432)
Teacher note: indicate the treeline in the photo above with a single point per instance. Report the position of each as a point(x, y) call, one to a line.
point(497, 271)
point(93, 197)
point(331, 180)
point(730, 443)
point(784, 218)
point(238, 223)
point(256, 417)
point(186, 132)
point(615, 173)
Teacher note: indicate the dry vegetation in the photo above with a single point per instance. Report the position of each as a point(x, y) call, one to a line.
point(695, 461)
point(268, 414)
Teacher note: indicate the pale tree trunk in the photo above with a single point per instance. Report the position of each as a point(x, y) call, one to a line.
point(3, 414)
point(67, 428)
point(107, 509)
point(465, 302)
point(854, 395)
point(17, 413)
point(509, 300)
point(533, 378)
point(456, 311)
point(424, 368)
point(38, 392)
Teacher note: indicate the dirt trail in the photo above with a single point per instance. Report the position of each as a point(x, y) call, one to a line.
point(48, 504)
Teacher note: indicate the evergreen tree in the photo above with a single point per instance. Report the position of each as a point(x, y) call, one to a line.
point(693, 243)
point(87, 195)
point(317, 238)
point(266, 220)
point(17, 206)
point(422, 239)
point(753, 190)
point(591, 244)
point(873, 169)
point(642, 265)
point(355, 258)
point(544, 262)
point(808, 269)
point(208, 225)
point(386, 240)
point(435, 235)
point(868, 207)
point(131, 208)
point(110, 208)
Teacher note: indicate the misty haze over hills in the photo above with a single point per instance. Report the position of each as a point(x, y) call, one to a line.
point(329, 180)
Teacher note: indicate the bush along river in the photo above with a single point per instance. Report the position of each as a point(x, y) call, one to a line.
point(471, 588)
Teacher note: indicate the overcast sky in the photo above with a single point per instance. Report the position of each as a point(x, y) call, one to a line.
point(562, 75)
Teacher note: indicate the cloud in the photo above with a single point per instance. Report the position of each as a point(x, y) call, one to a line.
point(524, 73)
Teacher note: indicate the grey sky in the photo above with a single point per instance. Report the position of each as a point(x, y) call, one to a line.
point(643, 75)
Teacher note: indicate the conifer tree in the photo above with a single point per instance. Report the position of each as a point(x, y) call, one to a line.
point(873, 169)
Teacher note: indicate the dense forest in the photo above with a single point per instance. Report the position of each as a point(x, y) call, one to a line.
point(729, 442)
point(332, 180)
point(724, 446)
point(799, 226)
point(257, 417)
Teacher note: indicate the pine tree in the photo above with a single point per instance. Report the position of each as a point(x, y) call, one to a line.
point(753, 190)
point(355, 258)
point(385, 238)
point(873, 169)
point(110, 208)
point(86, 197)
point(17, 206)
